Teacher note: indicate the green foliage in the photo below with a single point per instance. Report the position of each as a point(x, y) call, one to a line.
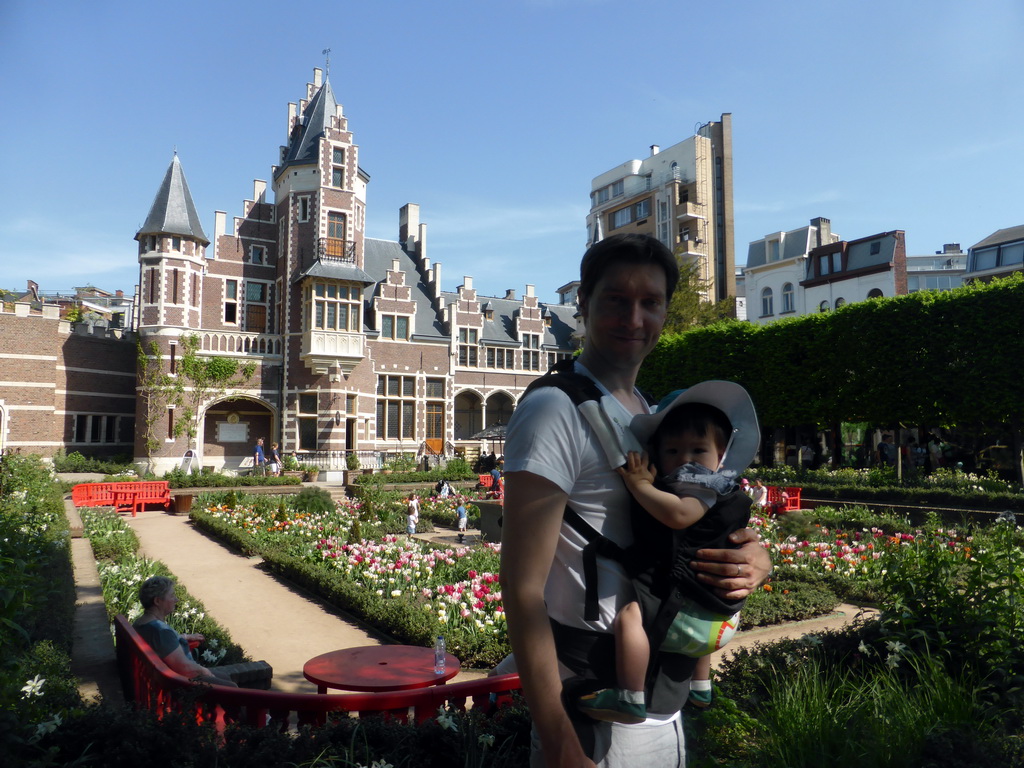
point(688, 309)
point(177, 478)
point(76, 462)
point(313, 501)
point(850, 365)
point(352, 462)
point(201, 378)
point(402, 462)
point(111, 539)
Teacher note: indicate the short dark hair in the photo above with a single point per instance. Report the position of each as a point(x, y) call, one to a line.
point(699, 418)
point(627, 249)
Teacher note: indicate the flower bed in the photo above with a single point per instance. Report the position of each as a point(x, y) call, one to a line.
point(406, 587)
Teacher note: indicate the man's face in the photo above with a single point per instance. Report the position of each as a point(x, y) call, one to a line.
point(625, 313)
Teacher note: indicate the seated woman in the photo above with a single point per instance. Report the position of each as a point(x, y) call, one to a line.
point(158, 602)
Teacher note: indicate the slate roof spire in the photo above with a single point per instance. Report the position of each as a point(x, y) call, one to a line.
point(315, 121)
point(173, 212)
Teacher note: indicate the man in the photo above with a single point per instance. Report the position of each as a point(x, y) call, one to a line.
point(886, 452)
point(259, 460)
point(553, 459)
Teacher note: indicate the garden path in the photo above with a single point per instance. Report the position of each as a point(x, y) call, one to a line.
point(270, 618)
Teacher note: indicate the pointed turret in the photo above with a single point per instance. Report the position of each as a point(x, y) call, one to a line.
point(312, 126)
point(173, 212)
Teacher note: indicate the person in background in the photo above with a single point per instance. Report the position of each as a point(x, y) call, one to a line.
point(259, 461)
point(275, 461)
point(158, 602)
point(412, 513)
point(463, 520)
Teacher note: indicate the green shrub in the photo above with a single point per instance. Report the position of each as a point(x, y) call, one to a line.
point(76, 462)
point(313, 501)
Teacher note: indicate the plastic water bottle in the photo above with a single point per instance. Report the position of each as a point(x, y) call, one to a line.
point(439, 655)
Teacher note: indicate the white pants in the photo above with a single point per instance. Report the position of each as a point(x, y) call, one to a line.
point(650, 745)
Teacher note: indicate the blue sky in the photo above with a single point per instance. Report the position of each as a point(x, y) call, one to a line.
point(495, 116)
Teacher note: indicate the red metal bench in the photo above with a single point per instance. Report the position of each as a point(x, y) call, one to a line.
point(783, 500)
point(132, 496)
point(150, 683)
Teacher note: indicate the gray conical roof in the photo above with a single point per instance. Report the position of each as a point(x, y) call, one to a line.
point(316, 119)
point(173, 212)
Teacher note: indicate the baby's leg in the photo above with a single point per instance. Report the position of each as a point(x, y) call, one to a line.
point(700, 683)
point(632, 650)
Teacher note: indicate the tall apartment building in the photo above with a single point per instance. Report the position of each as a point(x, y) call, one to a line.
point(682, 196)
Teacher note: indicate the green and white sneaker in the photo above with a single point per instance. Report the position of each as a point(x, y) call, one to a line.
point(608, 705)
point(700, 699)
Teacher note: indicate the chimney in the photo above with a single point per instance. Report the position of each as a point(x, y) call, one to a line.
point(510, 294)
point(824, 227)
point(119, 294)
point(408, 225)
point(951, 248)
point(655, 149)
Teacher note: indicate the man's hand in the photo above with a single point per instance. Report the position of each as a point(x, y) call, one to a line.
point(734, 573)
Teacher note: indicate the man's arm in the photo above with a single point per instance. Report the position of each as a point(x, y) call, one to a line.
point(530, 526)
point(734, 573)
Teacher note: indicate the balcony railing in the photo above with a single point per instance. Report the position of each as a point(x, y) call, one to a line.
point(240, 343)
point(335, 249)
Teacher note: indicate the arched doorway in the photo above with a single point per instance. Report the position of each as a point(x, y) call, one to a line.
point(468, 415)
point(230, 430)
point(499, 409)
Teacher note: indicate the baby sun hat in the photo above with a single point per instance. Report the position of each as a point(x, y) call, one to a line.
point(728, 397)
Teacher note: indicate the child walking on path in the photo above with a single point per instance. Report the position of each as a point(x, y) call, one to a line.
point(700, 440)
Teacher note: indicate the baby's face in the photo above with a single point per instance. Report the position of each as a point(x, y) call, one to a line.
point(687, 448)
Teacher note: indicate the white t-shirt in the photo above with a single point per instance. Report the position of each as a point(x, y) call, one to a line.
point(548, 437)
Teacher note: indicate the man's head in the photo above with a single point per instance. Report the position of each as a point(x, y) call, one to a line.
point(259, 441)
point(630, 249)
point(626, 283)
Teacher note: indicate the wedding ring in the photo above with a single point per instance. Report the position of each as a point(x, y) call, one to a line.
point(739, 570)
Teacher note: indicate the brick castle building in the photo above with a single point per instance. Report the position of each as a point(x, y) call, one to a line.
point(356, 347)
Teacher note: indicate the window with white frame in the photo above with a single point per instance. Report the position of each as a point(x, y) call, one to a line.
point(531, 351)
point(787, 298)
point(500, 358)
point(333, 306)
point(304, 208)
point(394, 327)
point(231, 302)
point(396, 407)
point(308, 426)
point(557, 357)
point(618, 188)
point(257, 254)
point(468, 339)
point(102, 428)
point(338, 169)
point(435, 409)
point(767, 303)
point(257, 299)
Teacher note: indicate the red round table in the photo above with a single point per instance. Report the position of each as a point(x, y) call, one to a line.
point(378, 668)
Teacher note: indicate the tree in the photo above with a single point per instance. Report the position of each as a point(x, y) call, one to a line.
point(155, 388)
point(200, 377)
point(688, 309)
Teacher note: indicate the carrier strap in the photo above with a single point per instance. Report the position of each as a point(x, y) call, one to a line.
point(596, 545)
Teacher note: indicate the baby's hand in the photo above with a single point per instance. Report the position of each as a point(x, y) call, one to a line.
point(637, 469)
